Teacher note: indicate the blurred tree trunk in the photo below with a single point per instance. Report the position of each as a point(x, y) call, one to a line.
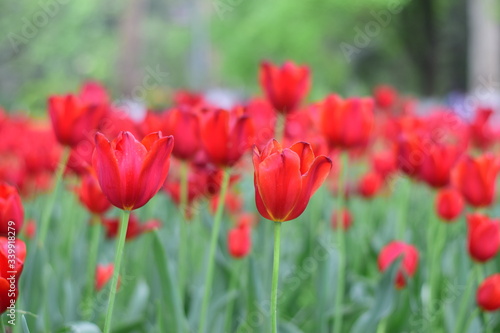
point(130, 47)
point(484, 47)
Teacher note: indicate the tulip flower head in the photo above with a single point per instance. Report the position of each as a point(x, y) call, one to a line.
point(285, 179)
point(184, 125)
point(130, 172)
point(239, 239)
point(346, 220)
point(11, 209)
point(449, 204)
point(488, 293)
point(103, 275)
point(8, 286)
point(91, 196)
point(409, 263)
point(483, 237)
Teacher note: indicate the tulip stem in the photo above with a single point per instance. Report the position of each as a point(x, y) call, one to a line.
point(280, 127)
point(117, 265)
point(213, 247)
point(276, 269)
point(91, 268)
point(183, 200)
point(340, 235)
point(49, 207)
point(233, 286)
point(465, 302)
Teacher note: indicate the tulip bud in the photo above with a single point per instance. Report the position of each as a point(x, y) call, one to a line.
point(11, 209)
point(483, 237)
point(370, 184)
point(488, 293)
point(449, 204)
point(346, 220)
point(409, 263)
point(239, 240)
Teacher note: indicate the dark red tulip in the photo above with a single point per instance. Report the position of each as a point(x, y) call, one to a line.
point(286, 86)
point(74, 120)
point(226, 136)
point(483, 237)
point(409, 263)
point(285, 179)
point(449, 204)
point(488, 293)
point(239, 239)
point(130, 172)
point(475, 178)
point(347, 123)
point(185, 127)
point(385, 96)
point(103, 275)
point(437, 164)
point(370, 184)
point(135, 227)
point(91, 196)
point(10, 271)
point(346, 220)
point(11, 210)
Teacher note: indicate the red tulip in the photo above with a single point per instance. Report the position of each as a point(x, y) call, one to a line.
point(475, 178)
point(409, 263)
point(239, 240)
point(91, 196)
point(480, 130)
point(483, 237)
point(384, 163)
point(185, 127)
point(73, 120)
point(187, 98)
point(385, 96)
point(94, 93)
point(410, 153)
point(130, 172)
point(135, 227)
point(30, 229)
point(449, 204)
point(347, 123)
point(346, 220)
point(11, 210)
point(226, 137)
point(285, 87)
point(10, 271)
point(488, 293)
point(370, 184)
point(437, 164)
point(103, 275)
point(285, 179)
point(233, 204)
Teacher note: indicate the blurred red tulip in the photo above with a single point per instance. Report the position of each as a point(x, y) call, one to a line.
point(286, 86)
point(385, 96)
point(437, 164)
point(187, 98)
point(226, 136)
point(370, 184)
point(449, 204)
point(488, 293)
point(130, 172)
point(30, 229)
point(135, 227)
point(239, 240)
point(481, 133)
point(410, 153)
point(90, 194)
point(103, 275)
point(347, 123)
point(346, 220)
point(475, 178)
point(184, 125)
point(409, 263)
point(384, 162)
point(233, 204)
point(94, 93)
point(285, 179)
point(10, 271)
point(483, 237)
point(11, 210)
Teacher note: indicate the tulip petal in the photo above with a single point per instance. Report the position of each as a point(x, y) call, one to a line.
point(154, 169)
point(279, 183)
point(106, 165)
point(150, 139)
point(241, 138)
point(306, 155)
point(214, 136)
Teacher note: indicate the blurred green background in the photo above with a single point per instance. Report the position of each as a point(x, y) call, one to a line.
point(50, 46)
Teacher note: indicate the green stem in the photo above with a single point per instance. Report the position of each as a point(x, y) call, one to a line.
point(117, 265)
point(460, 327)
point(45, 220)
point(2, 326)
point(276, 269)
point(213, 246)
point(382, 325)
point(403, 204)
point(91, 268)
point(280, 127)
point(184, 193)
point(435, 241)
point(233, 285)
point(340, 237)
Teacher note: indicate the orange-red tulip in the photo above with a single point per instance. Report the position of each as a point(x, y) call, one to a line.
point(131, 172)
point(409, 263)
point(476, 178)
point(285, 179)
point(483, 237)
point(449, 204)
point(286, 86)
point(11, 210)
point(347, 123)
point(488, 293)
